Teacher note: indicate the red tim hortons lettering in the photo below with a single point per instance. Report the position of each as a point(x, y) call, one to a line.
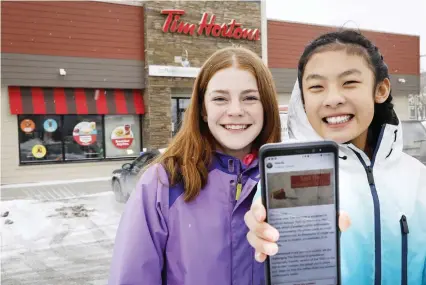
point(169, 18)
point(233, 30)
point(203, 24)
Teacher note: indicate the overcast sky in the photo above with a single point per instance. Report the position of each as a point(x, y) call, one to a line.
point(395, 16)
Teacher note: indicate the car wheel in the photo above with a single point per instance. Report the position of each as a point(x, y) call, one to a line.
point(118, 192)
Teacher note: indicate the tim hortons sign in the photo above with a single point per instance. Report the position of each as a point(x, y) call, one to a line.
point(232, 30)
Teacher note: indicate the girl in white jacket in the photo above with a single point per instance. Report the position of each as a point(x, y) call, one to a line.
point(343, 94)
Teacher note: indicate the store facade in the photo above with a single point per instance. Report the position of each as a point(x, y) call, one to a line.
point(88, 85)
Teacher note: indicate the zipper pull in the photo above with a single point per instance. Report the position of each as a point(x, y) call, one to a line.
point(370, 176)
point(404, 225)
point(239, 188)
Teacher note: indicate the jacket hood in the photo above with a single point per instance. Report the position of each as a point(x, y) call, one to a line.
point(299, 127)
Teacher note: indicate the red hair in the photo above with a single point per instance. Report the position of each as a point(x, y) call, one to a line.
point(189, 154)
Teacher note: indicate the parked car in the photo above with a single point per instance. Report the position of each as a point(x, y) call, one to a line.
point(124, 180)
point(414, 136)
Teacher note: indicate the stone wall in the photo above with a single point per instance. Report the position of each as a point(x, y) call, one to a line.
point(161, 49)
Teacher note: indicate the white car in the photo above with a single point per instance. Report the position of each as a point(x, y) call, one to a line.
point(414, 136)
point(123, 181)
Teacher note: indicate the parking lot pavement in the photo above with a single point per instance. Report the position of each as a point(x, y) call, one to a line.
point(58, 242)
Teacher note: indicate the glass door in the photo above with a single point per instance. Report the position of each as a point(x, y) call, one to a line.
point(179, 106)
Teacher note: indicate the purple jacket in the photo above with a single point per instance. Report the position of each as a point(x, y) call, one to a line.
point(163, 240)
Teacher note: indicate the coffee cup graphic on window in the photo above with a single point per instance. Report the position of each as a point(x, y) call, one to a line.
point(50, 125)
point(126, 130)
point(39, 151)
point(27, 126)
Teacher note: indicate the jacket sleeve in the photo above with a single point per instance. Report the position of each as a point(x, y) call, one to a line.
point(138, 256)
point(421, 199)
point(258, 193)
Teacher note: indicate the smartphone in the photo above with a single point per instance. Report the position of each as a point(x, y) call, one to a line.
point(300, 192)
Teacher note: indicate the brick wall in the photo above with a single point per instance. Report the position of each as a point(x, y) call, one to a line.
point(72, 28)
point(100, 45)
point(286, 42)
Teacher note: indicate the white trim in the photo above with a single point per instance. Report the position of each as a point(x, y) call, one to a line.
point(173, 71)
point(54, 182)
point(122, 2)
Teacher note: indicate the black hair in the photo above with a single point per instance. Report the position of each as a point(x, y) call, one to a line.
point(357, 44)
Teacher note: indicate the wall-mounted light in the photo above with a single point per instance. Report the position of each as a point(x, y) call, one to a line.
point(62, 72)
point(185, 60)
point(401, 80)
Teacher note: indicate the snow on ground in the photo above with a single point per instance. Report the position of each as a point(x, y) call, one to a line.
point(37, 221)
point(69, 240)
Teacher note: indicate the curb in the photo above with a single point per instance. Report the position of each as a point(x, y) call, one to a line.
point(55, 182)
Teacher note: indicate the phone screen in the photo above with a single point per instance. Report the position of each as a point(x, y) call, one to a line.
point(301, 206)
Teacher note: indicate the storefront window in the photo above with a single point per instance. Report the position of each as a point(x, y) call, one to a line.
point(83, 137)
point(56, 138)
point(122, 135)
point(40, 138)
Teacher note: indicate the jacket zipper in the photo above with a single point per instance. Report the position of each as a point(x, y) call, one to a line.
point(239, 187)
point(376, 205)
point(404, 249)
point(377, 226)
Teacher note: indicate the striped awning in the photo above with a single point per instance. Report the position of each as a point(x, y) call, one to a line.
point(35, 100)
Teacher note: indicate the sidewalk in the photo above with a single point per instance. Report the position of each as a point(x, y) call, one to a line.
point(55, 190)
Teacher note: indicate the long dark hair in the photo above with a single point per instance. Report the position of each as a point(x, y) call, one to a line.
point(356, 43)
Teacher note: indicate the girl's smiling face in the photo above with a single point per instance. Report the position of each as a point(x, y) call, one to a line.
point(233, 110)
point(339, 94)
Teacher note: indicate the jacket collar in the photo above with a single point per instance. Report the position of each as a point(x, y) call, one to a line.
point(230, 164)
point(389, 144)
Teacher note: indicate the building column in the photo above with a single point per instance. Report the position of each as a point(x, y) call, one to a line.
point(157, 119)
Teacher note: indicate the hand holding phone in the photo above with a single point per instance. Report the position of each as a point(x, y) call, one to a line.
point(300, 193)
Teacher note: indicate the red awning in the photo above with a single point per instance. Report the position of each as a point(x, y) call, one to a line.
point(35, 100)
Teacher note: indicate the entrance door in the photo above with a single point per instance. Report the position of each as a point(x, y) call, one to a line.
point(179, 106)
